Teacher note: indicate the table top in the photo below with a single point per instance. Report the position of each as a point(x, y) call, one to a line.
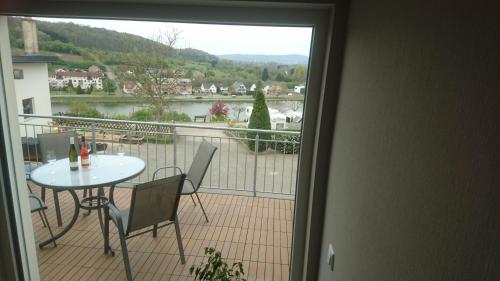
point(104, 170)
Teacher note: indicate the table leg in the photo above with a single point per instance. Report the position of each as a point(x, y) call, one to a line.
point(107, 246)
point(69, 226)
point(100, 193)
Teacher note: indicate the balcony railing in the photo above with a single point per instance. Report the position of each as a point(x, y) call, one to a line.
point(237, 166)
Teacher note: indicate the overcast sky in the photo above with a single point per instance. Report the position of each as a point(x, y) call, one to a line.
point(216, 39)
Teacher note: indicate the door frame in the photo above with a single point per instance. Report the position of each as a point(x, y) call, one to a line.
point(328, 22)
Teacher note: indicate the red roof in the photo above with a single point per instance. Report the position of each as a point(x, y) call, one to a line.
point(77, 74)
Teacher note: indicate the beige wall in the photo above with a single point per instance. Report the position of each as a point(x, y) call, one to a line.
point(414, 186)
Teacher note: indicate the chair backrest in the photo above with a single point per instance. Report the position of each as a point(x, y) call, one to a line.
point(200, 163)
point(154, 202)
point(57, 143)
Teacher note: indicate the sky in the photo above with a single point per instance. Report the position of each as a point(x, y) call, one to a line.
point(215, 39)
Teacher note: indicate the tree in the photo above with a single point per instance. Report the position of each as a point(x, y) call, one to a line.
point(265, 74)
point(238, 109)
point(259, 119)
point(109, 86)
point(156, 79)
point(280, 77)
point(219, 111)
point(89, 90)
point(79, 90)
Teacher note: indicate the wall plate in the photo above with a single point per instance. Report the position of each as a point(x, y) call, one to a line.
point(331, 256)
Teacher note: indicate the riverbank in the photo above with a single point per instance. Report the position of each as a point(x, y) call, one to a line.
point(66, 99)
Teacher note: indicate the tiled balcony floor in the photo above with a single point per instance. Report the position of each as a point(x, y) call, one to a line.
point(255, 230)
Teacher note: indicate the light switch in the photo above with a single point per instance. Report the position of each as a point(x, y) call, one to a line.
point(331, 256)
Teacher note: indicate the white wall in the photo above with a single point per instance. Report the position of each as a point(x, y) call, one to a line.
point(414, 186)
point(34, 85)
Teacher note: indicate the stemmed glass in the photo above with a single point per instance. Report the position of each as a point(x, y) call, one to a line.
point(121, 153)
point(51, 159)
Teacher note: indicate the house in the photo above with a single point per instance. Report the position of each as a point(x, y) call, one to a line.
point(299, 89)
point(203, 90)
point(223, 89)
point(184, 86)
point(253, 88)
point(94, 69)
point(213, 89)
point(239, 88)
point(84, 79)
point(30, 83)
point(266, 89)
point(129, 87)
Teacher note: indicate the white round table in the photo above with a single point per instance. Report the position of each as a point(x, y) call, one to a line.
point(104, 170)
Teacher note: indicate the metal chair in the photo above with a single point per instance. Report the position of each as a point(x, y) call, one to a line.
point(58, 143)
point(196, 172)
point(37, 205)
point(152, 203)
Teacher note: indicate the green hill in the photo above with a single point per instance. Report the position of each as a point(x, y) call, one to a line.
point(79, 46)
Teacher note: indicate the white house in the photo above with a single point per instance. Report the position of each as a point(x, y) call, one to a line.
point(213, 89)
point(266, 89)
point(84, 79)
point(239, 88)
point(299, 89)
point(279, 120)
point(253, 88)
point(30, 80)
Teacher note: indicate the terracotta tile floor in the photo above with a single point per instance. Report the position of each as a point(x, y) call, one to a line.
point(255, 230)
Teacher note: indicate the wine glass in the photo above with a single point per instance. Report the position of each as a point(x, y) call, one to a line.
point(51, 159)
point(121, 150)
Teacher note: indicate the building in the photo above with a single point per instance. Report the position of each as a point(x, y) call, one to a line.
point(94, 69)
point(223, 89)
point(299, 89)
point(84, 79)
point(239, 88)
point(30, 83)
point(266, 89)
point(129, 87)
point(212, 89)
point(184, 86)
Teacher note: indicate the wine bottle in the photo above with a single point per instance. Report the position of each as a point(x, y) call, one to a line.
point(84, 153)
point(73, 155)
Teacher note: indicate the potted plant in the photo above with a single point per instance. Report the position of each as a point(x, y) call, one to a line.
point(216, 269)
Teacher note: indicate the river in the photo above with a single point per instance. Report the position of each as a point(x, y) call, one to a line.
point(191, 109)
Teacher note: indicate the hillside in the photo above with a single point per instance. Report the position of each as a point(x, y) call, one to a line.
point(68, 37)
point(79, 46)
point(282, 59)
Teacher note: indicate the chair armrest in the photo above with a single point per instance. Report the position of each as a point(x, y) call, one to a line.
point(164, 168)
point(37, 199)
point(116, 216)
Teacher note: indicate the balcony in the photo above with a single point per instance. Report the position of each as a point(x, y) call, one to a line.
point(248, 197)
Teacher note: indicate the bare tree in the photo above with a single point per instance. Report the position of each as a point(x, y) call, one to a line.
point(238, 109)
point(156, 79)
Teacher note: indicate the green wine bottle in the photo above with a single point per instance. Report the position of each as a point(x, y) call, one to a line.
point(73, 155)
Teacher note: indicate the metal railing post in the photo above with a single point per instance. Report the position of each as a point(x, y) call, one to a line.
point(256, 153)
point(175, 150)
point(94, 146)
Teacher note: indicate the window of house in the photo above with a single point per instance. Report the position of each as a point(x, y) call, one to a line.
point(18, 74)
point(28, 106)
